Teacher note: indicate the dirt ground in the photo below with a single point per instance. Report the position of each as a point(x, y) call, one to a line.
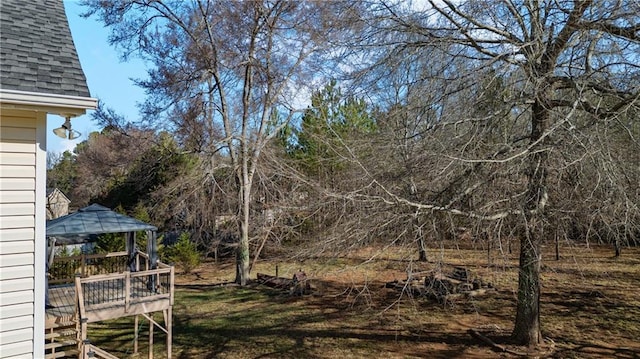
point(590, 308)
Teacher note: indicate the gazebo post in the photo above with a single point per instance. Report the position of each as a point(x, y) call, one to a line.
point(131, 251)
point(152, 248)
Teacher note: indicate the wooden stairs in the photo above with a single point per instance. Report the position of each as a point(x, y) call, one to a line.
point(61, 339)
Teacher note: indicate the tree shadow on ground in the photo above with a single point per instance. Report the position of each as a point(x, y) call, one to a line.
point(292, 327)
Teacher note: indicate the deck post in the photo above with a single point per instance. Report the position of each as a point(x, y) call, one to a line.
point(172, 278)
point(150, 336)
point(86, 349)
point(127, 290)
point(80, 311)
point(83, 332)
point(76, 311)
point(168, 324)
point(135, 334)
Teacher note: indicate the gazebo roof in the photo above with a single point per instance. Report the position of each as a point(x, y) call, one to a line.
point(95, 219)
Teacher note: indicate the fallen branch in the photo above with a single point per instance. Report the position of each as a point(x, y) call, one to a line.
point(474, 333)
point(273, 281)
point(469, 294)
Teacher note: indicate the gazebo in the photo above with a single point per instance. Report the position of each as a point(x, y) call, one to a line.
point(92, 287)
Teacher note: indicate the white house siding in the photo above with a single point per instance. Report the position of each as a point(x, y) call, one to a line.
point(22, 233)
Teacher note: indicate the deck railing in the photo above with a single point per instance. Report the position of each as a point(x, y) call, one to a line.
point(91, 351)
point(65, 268)
point(114, 294)
point(113, 285)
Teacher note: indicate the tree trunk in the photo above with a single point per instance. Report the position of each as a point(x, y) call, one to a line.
point(527, 326)
point(242, 256)
point(557, 245)
point(422, 248)
point(242, 251)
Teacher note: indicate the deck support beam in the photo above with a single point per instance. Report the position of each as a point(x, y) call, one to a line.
point(167, 322)
point(151, 325)
point(136, 332)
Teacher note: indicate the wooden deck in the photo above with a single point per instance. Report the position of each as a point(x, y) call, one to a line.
point(108, 296)
point(112, 296)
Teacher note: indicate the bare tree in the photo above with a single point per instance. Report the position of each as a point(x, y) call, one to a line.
point(569, 70)
point(227, 74)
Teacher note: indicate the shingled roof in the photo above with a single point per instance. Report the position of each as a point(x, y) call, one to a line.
point(95, 219)
point(37, 53)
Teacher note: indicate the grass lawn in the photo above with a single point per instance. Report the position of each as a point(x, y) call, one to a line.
point(590, 309)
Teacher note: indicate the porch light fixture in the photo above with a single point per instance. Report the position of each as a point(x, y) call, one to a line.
point(65, 130)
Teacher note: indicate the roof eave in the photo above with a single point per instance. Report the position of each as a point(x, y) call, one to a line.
point(59, 192)
point(52, 103)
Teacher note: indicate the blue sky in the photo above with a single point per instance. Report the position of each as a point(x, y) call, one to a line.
point(108, 78)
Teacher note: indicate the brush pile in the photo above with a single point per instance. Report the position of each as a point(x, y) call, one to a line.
point(443, 287)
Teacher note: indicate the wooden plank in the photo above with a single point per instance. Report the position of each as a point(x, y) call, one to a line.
point(114, 276)
point(151, 338)
point(101, 353)
point(61, 333)
point(62, 354)
point(60, 344)
point(58, 322)
point(17, 159)
point(17, 209)
point(14, 221)
point(10, 298)
point(16, 323)
point(127, 291)
point(10, 260)
point(80, 297)
point(102, 278)
point(16, 310)
point(107, 255)
point(172, 280)
point(17, 234)
point(136, 329)
point(134, 308)
point(168, 320)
